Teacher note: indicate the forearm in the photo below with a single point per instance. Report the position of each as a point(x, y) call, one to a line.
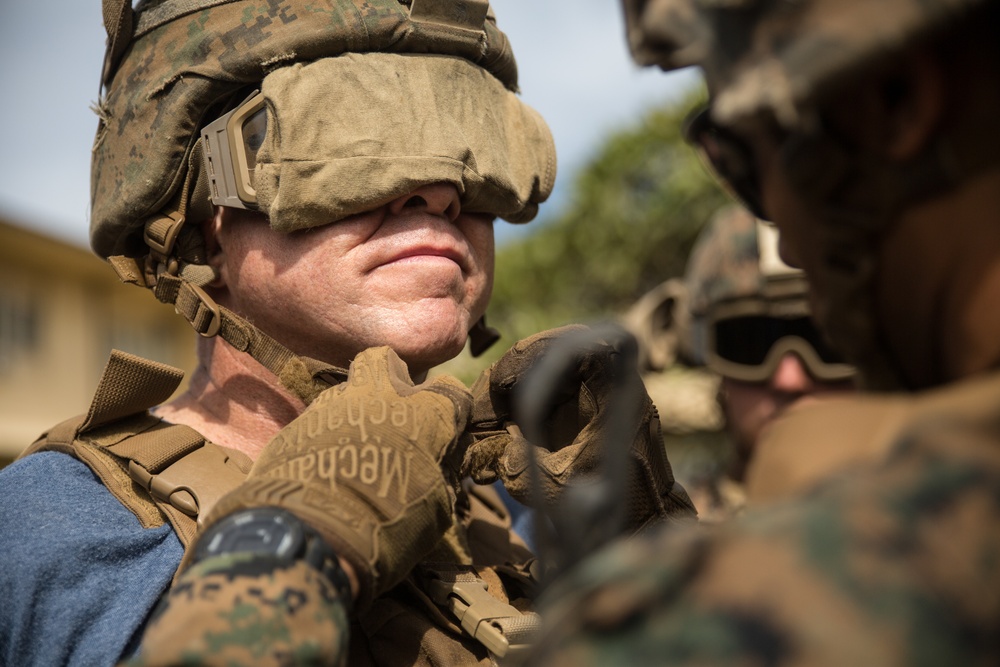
point(252, 610)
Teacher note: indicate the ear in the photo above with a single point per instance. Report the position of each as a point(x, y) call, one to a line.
point(214, 247)
point(913, 100)
point(895, 111)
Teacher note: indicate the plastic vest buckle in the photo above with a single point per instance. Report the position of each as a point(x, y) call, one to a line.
point(193, 483)
point(478, 612)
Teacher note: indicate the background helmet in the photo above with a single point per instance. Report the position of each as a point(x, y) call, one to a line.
point(747, 308)
point(783, 62)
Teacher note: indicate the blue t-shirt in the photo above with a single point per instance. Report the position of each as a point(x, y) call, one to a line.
point(79, 575)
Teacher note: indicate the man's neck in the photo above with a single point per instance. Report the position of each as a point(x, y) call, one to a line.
point(232, 400)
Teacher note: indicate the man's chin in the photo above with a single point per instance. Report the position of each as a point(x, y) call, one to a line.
point(423, 347)
point(419, 361)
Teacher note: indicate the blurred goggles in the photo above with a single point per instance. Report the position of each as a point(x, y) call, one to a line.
point(726, 156)
point(231, 144)
point(750, 348)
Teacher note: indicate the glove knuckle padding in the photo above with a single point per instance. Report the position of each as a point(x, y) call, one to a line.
point(578, 435)
point(362, 465)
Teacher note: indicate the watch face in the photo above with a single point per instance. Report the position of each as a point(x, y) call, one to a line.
point(267, 531)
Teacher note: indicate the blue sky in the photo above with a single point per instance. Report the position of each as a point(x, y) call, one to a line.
point(572, 57)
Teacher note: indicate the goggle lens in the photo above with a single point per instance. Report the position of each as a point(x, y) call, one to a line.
point(254, 130)
point(745, 347)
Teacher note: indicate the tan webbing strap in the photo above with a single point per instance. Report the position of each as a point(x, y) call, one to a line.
point(497, 625)
point(128, 269)
point(298, 375)
point(119, 22)
point(158, 447)
point(177, 467)
point(161, 231)
point(130, 385)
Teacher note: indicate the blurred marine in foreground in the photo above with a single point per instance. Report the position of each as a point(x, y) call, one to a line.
point(866, 132)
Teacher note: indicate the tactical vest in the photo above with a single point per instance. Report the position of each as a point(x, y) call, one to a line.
point(467, 607)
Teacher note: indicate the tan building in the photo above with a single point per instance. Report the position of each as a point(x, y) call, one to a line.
point(62, 310)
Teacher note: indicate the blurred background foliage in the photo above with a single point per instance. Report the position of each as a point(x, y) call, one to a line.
point(630, 220)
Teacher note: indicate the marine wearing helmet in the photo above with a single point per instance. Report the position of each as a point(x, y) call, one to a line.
point(313, 186)
point(865, 132)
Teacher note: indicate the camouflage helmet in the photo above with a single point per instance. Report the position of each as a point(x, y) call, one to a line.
point(735, 261)
point(173, 67)
point(785, 62)
point(746, 308)
point(777, 56)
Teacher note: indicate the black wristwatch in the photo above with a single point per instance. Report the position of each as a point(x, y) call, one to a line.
point(277, 533)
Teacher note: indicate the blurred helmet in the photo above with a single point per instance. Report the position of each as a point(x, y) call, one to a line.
point(776, 56)
point(747, 307)
point(782, 63)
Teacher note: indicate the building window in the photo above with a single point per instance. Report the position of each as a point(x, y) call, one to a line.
point(19, 328)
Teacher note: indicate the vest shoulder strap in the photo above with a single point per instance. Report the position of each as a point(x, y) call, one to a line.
point(159, 471)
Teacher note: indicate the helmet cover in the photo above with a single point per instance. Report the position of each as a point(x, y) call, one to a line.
point(190, 59)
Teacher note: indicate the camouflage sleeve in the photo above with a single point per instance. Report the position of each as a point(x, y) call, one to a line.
point(894, 565)
point(243, 609)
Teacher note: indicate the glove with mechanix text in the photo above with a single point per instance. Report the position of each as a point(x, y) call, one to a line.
point(371, 465)
point(575, 435)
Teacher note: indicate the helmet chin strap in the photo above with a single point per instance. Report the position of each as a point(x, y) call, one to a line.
point(482, 337)
point(858, 197)
point(176, 270)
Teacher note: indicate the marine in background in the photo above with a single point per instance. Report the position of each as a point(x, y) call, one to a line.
point(743, 315)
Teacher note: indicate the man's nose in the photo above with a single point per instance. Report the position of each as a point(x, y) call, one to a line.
point(791, 376)
point(436, 198)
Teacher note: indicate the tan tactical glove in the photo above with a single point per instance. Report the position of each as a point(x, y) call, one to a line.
point(575, 435)
point(371, 465)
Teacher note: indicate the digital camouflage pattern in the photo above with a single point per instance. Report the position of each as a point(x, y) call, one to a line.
point(893, 563)
point(777, 56)
point(180, 68)
point(242, 609)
